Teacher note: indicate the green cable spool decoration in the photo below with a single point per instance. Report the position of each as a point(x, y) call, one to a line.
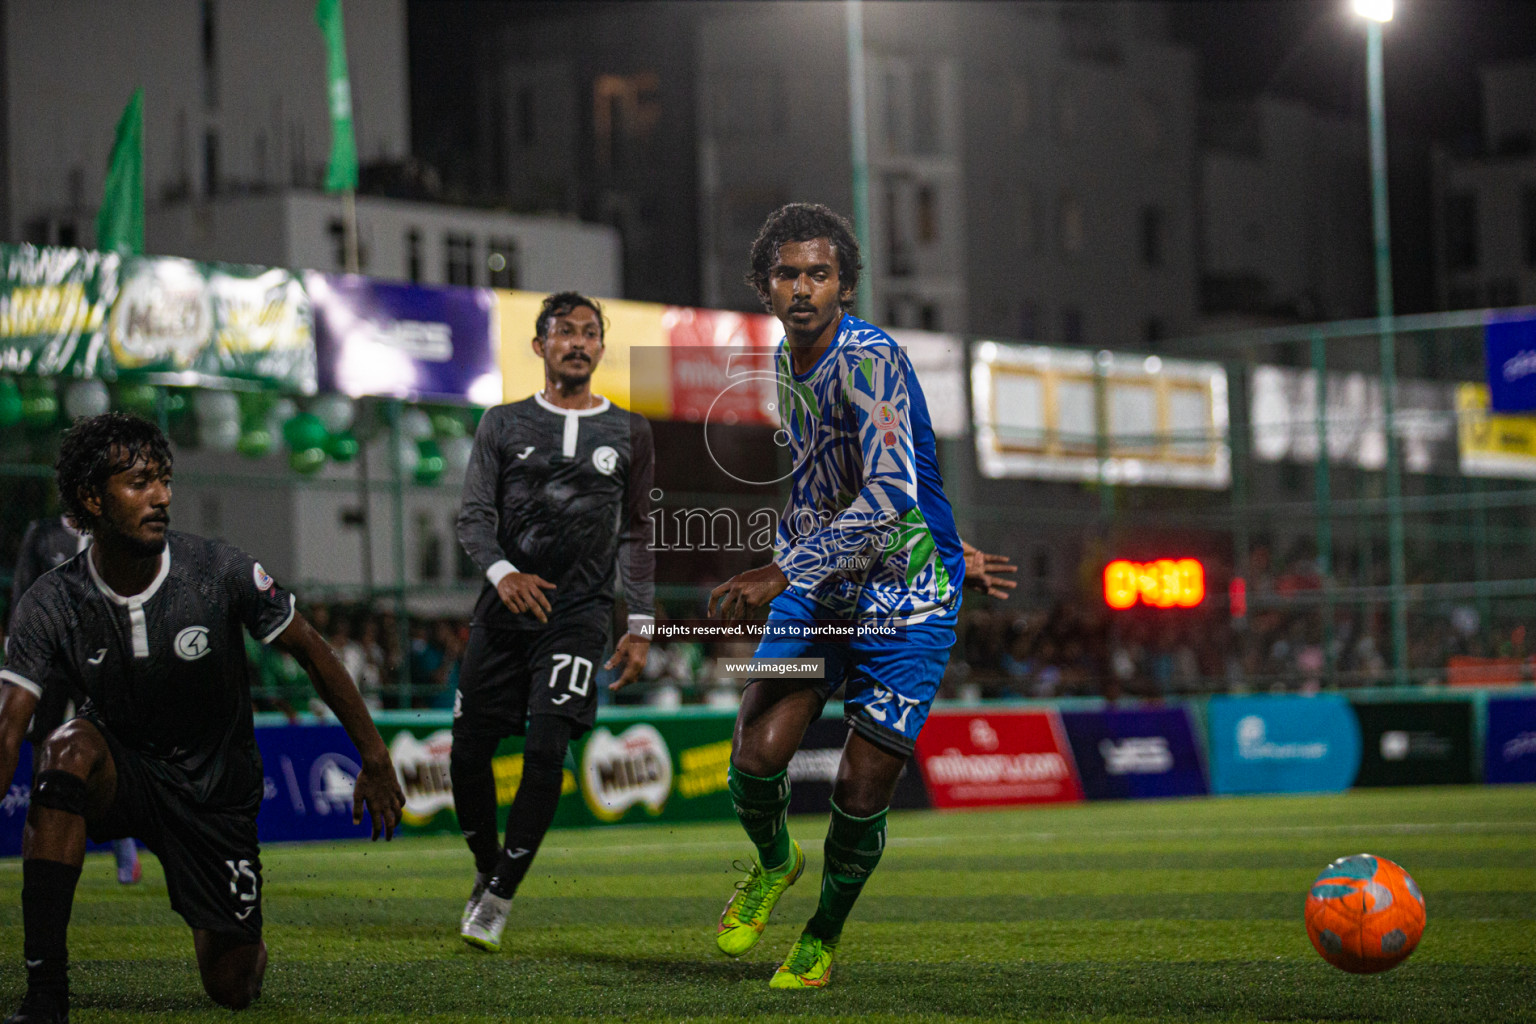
point(342, 447)
point(305, 432)
point(255, 443)
point(306, 460)
point(10, 403)
point(430, 465)
point(138, 399)
point(39, 404)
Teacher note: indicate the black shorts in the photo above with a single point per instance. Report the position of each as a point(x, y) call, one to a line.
point(508, 676)
point(211, 859)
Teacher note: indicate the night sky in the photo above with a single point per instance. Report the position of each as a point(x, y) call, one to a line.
point(1315, 50)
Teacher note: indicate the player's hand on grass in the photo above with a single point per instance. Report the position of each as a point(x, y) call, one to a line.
point(524, 592)
point(746, 591)
point(379, 789)
point(631, 652)
point(984, 572)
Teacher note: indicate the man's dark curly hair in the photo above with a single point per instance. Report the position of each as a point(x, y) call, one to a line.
point(561, 304)
point(804, 222)
point(98, 448)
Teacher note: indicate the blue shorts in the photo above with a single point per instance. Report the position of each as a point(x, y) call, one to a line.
point(888, 684)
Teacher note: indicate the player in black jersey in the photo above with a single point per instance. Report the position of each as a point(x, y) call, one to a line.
point(556, 496)
point(47, 544)
point(147, 624)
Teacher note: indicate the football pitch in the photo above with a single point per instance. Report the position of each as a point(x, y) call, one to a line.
point(1184, 910)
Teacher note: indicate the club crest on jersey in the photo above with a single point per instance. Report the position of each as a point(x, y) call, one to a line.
point(885, 416)
point(263, 581)
point(606, 460)
point(192, 643)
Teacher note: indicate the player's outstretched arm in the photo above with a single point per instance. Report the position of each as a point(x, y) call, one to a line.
point(985, 572)
point(377, 787)
point(16, 706)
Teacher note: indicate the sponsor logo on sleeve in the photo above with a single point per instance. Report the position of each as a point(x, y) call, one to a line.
point(263, 581)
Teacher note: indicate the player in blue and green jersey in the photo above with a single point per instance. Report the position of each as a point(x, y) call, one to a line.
point(867, 543)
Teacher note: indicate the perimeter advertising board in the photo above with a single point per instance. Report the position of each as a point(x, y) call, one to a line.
point(1282, 744)
point(813, 770)
point(1415, 743)
point(53, 305)
point(996, 759)
point(309, 771)
point(405, 341)
point(1509, 747)
point(627, 768)
point(1135, 754)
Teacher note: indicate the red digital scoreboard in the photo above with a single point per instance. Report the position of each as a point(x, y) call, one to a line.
point(1164, 583)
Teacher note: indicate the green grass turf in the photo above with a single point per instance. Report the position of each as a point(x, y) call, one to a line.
point(1152, 911)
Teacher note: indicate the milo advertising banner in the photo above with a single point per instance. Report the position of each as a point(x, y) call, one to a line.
point(629, 768)
point(179, 322)
point(53, 304)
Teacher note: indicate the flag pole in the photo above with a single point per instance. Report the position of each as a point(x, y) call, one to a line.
point(349, 228)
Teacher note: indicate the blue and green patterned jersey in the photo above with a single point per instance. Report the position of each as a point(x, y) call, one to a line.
point(867, 532)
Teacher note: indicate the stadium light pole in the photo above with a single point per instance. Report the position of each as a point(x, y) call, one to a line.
point(858, 131)
point(1377, 13)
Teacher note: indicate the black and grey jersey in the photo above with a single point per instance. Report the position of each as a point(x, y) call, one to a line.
point(165, 669)
point(564, 494)
point(47, 544)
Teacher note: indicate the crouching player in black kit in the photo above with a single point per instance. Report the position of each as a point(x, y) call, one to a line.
point(557, 492)
point(146, 623)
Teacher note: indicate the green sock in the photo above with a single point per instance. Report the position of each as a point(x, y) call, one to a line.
point(851, 852)
point(762, 806)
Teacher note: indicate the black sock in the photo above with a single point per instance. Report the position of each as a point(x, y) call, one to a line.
point(538, 795)
point(474, 797)
point(47, 897)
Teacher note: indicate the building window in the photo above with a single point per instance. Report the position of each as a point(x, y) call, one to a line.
point(625, 112)
point(501, 261)
point(927, 215)
point(413, 255)
point(459, 259)
point(1152, 236)
point(211, 163)
point(1031, 321)
point(1018, 101)
point(1528, 224)
point(1154, 331)
point(337, 233)
point(208, 37)
point(1503, 291)
point(429, 549)
point(1071, 231)
point(1461, 231)
point(1071, 326)
point(1462, 296)
point(526, 130)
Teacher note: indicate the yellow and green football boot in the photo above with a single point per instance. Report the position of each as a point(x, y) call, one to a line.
point(809, 965)
point(745, 917)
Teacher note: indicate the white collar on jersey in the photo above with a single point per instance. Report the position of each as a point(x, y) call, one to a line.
point(138, 599)
point(601, 406)
point(138, 625)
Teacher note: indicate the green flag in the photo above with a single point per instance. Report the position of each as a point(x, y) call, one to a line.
point(120, 222)
point(341, 172)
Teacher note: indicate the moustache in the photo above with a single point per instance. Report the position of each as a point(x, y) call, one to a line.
point(158, 517)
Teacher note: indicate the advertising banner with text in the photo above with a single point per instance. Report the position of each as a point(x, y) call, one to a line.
point(996, 759)
point(53, 308)
point(628, 768)
point(1509, 746)
point(415, 342)
point(1130, 754)
point(1282, 744)
point(209, 324)
point(1415, 743)
point(813, 770)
